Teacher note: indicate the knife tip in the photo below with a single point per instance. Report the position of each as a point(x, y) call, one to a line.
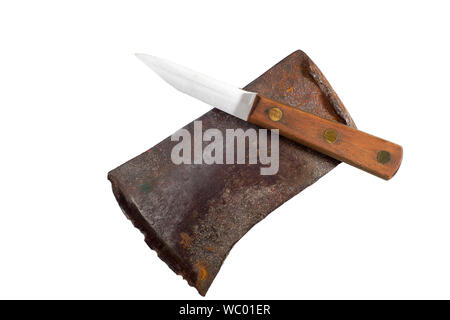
point(147, 59)
point(140, 56)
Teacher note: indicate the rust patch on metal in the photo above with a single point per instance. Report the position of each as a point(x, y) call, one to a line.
point(203, 273)
point(185, 240)
point(192, 215)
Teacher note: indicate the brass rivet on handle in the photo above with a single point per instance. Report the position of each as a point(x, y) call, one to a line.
point(275, 114)
point(383, 157)
point(330, 135)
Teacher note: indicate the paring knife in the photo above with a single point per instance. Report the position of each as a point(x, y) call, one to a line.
point(362, 150)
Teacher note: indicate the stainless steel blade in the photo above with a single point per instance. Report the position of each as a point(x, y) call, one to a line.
point(216, 93)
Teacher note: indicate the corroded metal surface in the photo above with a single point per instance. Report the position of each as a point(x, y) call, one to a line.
point(192, 215)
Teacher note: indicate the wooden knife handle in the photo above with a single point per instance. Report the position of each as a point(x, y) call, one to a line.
point(369, 153)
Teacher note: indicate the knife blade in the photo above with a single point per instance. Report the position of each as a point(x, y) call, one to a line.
point(359, 149)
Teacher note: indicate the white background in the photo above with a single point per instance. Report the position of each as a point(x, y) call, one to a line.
point(76, 103)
